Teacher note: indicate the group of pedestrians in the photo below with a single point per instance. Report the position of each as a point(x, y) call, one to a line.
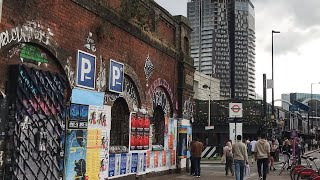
point(237, 154)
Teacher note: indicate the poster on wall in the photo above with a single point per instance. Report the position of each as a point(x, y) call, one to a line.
point(83, 115)
point(118, 164)
point(75, 165)
point(99, 124)
point(173, 158)
point(140, 131)
point(151, 159)
point(78, 115)
point(93, 153)
point(189, 139)
point(148, 159)
point(183, 139)
point(104, 153)
point(134, 162)
point(164, 158)
point(156, 159)
point(128, 163)
point(112, 165)
point(123, 164)
point(159, 158)
point(168, 163)
point(141, 160)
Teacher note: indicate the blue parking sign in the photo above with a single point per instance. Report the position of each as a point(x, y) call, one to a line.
point(86, 70)
point(116, 76)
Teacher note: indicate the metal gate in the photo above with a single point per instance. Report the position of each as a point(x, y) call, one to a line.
point(36, 124)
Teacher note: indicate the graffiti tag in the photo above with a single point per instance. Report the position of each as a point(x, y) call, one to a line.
point(27, 32)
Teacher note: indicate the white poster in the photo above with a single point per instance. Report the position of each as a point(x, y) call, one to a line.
point(128, 163)
point(117, 164)
point(140, 163)
point(233, 132)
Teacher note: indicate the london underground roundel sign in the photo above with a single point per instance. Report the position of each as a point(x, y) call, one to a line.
point(235, 110)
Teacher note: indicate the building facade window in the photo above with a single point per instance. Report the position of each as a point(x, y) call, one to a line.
point(158, 126)
point(119, 134)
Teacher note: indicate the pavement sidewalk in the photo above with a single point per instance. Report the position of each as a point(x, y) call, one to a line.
point(214, 175)
point(219, 161)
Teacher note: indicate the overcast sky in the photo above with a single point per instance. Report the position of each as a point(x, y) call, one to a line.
point(296, 48)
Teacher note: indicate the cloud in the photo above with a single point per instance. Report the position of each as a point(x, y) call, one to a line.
point(292, 41)
point(175, 7)
point(298, 22)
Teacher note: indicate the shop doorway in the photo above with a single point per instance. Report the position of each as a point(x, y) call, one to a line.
point(36, 123)
point(119, 134)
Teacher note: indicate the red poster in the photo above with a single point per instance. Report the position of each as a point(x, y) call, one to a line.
point(173, 157)
point(148, 159)
point(164, 157)
point(156, 159)
point(140, 127)
point(166, 119)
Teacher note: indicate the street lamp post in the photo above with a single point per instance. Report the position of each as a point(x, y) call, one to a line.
point(273, 114)
point(311, 108)
point(209, 101)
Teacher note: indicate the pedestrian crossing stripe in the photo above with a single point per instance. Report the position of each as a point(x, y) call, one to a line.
point(209, 151)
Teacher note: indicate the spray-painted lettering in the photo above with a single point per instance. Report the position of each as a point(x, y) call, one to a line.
point(25, 33)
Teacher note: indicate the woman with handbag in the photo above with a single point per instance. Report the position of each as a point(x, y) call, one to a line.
point(227, 153)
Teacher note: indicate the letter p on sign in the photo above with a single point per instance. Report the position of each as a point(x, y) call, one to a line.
point(116, 76)
point(86, 70)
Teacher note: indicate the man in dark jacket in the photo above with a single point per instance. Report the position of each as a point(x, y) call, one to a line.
point(196, 151)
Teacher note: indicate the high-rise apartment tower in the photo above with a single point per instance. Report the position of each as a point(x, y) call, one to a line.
point(223, 44)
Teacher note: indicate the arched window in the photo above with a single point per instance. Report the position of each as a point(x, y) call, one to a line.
point(186, 46)
point(158, 126)
point(119, 134)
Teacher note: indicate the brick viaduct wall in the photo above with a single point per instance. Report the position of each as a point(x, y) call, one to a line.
point(66, 25)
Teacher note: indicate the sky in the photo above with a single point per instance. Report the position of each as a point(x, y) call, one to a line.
point(296, 48)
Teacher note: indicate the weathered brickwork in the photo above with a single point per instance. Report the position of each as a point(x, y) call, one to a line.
point(70, 23)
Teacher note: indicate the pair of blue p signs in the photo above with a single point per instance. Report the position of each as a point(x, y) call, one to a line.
point(86, 72)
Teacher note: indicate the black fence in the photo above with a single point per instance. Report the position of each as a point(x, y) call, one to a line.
point(219, 112)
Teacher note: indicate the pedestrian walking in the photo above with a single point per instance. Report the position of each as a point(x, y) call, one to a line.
point(240, 155)
point(262, 156)
point(196, 150)
point(227, 152)
point(273, 150)
point(253, 143)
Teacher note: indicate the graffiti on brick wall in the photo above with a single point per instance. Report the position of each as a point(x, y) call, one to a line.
point(188, 108)
point(130, 94)
point(89, 43)
point(39, 124)
point(28, 53)
point(30, 31)
point(102, 79)
point(159, 98)
point(163, 84)
point(70, 72)
point(15, 50)
point(31, 53)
